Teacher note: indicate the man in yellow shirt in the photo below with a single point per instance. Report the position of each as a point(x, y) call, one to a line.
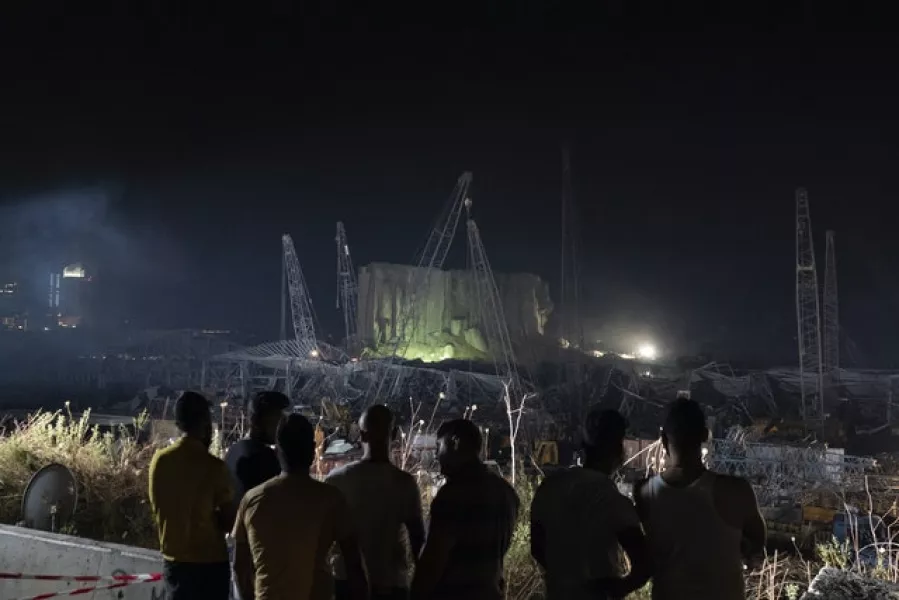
point(191, 499)
point(286, 527)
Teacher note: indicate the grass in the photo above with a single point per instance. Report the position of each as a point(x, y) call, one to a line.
point(110, 467)
point(111, 470)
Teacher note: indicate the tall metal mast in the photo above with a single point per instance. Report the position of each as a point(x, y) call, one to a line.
point(490, 307)
point(569, 307)
point(347, 286)
point(808, 317)
point(831, 311)
point(300, 305)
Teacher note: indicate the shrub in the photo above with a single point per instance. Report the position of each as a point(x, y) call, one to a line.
point(110, 468)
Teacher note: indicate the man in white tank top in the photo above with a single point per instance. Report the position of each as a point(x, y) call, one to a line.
point(700, 525)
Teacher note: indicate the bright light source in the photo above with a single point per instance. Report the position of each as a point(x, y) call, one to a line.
point(313, 353)
point(474, 407)
point(646, 352)
point(441, 395)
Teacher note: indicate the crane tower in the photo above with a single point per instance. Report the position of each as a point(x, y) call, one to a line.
point(831, 311)
point(347, 286)
point(808, 318)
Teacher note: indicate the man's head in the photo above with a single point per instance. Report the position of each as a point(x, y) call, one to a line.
point(684, 431)
point(193, 418)
point(376, 426)
point(296, 444)
point(603, 439)
point(458, 445)
point(266, 411)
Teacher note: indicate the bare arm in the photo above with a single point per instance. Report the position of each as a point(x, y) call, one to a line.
point(432, 563)
point(357, 576)
point(755, 532)
point(415, 524)
point(435, 555)
point(244, 572)
point(538, 542)
point(633, 542)
point(224, 498)
point(350, 550)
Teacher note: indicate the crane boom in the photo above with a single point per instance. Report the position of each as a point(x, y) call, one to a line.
point(347, 286)
point(300, 305)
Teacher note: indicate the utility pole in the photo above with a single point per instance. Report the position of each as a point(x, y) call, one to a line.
point(808, 318)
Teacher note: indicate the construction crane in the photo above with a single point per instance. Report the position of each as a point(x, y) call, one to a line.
point(432, 256)
point(300, 305)
point(492, 319)
point(831, 311)
point(491, 315)
point(347, 286)
point(808, 318)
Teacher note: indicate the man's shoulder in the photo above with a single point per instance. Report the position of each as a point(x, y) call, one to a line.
point(732, 485)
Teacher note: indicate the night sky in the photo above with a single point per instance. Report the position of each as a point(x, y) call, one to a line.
point(183, 142)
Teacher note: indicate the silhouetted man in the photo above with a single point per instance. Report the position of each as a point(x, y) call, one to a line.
point(700, 525)
point(252, 461)
point(385, 505)
point(191, 499)
point(286, 527)
point(472, 520)
point(580, 523)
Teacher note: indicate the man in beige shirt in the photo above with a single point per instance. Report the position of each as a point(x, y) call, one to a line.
point(286, 526)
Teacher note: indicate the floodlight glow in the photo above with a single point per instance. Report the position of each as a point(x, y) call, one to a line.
point(646, 351)
point(313, 353)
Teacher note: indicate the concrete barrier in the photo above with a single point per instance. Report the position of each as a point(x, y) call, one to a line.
point(36, 552)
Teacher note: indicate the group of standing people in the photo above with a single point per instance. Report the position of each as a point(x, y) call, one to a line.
point(688, 529)
point(360, 534)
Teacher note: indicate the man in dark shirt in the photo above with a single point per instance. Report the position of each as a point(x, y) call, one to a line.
point(252, 461)
point(472, 520)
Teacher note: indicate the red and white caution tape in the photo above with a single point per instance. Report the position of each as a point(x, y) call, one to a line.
point(118, 578)
point(122, 581)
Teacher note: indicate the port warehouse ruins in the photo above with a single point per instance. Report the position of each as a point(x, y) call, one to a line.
point(422, 338)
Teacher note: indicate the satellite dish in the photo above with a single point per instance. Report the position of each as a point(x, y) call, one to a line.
point(50, 498)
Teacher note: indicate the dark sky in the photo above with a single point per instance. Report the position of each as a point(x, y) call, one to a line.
point(195, 136)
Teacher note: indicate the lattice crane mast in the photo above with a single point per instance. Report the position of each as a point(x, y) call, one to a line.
point(808, 317)
point(492, 315)
point(347, 286)
point(300, 305)
point(831, 310)
point(493, 321)
point(432, 256)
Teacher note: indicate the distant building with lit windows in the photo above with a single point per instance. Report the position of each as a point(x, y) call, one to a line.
point(12, 313)
point(70, 297)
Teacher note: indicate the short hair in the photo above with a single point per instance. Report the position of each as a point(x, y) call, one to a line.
point(296, 441)
point(603, 428)
point(266, 403)
point(465, 431)
point(685, 424)
point(377, 419)
point(191, 411)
